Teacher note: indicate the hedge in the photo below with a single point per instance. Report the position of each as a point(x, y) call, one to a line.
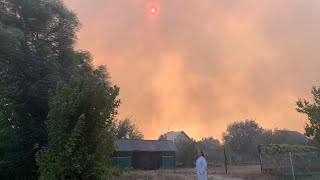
point(286, 148)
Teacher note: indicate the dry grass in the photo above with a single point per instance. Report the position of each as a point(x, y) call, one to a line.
point(139, 175)
point(235, 173)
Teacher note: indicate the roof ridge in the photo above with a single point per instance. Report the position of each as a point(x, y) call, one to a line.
point(145, 145)
point(139, 140)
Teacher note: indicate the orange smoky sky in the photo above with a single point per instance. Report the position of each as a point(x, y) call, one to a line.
point(198, 66)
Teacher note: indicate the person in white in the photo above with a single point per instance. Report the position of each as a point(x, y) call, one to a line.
point(201, 166)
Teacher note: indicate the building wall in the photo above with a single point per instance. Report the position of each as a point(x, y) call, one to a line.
point(145, 160)
point(182, 137)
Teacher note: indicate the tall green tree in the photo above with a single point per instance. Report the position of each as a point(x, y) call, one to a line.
point(11, 145)
point(80, 142)
point(36, 52)
point(19, 130)
point(312, 110)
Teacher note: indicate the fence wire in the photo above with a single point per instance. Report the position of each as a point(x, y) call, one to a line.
point(223, 161)
point(297, 165)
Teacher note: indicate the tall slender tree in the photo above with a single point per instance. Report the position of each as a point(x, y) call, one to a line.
point(36, 52)
point(80, 117)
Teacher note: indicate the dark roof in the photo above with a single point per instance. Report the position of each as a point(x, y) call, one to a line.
point(144, 145)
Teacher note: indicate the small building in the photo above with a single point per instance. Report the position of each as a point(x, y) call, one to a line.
point(177, 137)
point(145, 154)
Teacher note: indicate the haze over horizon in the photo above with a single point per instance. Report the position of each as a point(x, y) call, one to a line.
point(199, 66)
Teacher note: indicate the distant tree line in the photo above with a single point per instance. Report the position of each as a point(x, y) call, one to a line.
point(240, 140)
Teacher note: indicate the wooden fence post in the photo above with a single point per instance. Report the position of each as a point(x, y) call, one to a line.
point(225, 160)
point(260, 157)
point(292, 169)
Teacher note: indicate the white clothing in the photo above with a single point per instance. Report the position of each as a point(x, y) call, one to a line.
point(201, 168)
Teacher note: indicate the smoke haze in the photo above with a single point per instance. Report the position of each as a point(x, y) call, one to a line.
point(199, 65)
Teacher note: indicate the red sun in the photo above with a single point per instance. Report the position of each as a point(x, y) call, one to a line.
point(153, 10)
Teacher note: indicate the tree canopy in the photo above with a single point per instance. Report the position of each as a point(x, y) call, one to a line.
point(162, 137)
point(289, 137)
point(208, 143)
point(240, 136)
point(244, 137)
point(312, 110)
point(186, 153)
point(36, 52)
point(126, 129)
point(80, 144)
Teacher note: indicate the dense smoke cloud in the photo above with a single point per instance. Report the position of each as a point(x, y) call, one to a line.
point(200, 65)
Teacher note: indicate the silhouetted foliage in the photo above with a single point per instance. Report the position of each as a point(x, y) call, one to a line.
point(289, 137)
point(240, 137)
point(312, 110)
point(208, 143)
point(126, 129)
point(243, 138)
point(80, 144)
point(36, 52)
point(186, 153)
point(162, 137)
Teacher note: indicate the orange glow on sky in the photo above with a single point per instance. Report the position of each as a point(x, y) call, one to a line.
point(202, 65)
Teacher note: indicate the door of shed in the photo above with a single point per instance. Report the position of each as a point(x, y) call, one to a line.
point(168, 162)
point(123, 162)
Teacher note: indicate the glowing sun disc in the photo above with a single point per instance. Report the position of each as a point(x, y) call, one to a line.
point(153, 10)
